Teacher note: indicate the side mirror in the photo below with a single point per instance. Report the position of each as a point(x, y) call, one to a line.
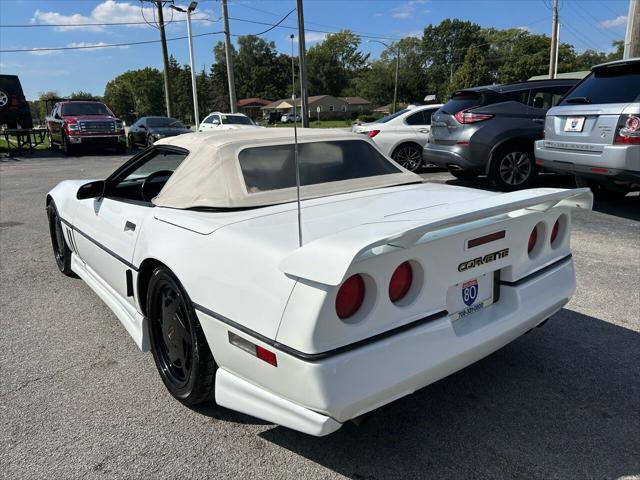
point(57, 115)
point(144, 127)
point(91, 190)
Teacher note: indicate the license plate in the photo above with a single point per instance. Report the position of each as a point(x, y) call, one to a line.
point(574, 124)
point(470, 296)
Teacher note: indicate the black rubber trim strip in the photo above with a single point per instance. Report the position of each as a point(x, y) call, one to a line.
point(537, 273)
point(310, 357)
point(98, 244)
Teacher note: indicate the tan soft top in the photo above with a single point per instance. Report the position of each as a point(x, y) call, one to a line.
point(211, 176)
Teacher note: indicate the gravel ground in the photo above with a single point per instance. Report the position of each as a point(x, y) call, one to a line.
point(78, 399)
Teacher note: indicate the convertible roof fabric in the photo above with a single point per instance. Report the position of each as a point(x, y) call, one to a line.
point(211, 176)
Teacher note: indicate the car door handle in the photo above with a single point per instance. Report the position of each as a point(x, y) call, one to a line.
point(424, 130)
point(538, 120)
point(129, 227)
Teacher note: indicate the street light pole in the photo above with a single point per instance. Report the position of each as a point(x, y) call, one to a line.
point(395, 88)
point(194, 86)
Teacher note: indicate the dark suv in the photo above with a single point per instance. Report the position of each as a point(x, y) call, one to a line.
point(491, 130)
point(14, 109)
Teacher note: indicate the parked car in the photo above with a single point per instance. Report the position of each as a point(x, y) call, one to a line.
point(290, 118)
point(594, 133)
point(392, 285)
point(491, 130)
point(146, 130)
point(79, 123)
point(225, 121)
point(402, 135)
point(14, 108)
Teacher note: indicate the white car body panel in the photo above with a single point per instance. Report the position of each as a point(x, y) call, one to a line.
point(246, 274)
point(396, 131)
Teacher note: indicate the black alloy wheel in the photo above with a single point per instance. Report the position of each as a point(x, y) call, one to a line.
point(61, 252)
point(150, 140)
point(408, 156)
point(132, 142)
point(178, 344)
point(67, 148)
point(513, 169)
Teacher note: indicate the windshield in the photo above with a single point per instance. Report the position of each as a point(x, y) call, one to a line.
point(619, 84)
point(164, 122)
point(236, 120)
point(392, 116)
point(85, 108)
point(272, 167)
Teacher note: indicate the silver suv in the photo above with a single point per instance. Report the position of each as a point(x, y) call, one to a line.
point(594, 133)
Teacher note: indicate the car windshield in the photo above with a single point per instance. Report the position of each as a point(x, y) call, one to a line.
point(85, 108)
point(273, 167)
point(164, 122)
point(392, 116)
point(236, 120)
point(461, 101)
point(617, 84)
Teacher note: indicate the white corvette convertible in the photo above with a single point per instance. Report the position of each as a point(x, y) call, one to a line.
point(194, 245)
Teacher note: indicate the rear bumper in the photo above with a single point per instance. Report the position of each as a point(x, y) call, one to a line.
point(317, 396)
point(450, 156)
point(620, 162)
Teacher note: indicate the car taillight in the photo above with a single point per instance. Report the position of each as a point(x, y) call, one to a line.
point(372, 133)
point(533, 239)
point(465, 116)
point(628, 130)
point(350, 296)
point(555, 230)
point(400, 282)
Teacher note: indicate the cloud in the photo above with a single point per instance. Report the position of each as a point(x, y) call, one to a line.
point(89, 46)
point(311, 37)
point(407, 10)
point(109, 11)
point(615, 22)
point(524, 28)
point(414, 33)
point(40, 52)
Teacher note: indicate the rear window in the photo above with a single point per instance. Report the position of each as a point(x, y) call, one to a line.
point(461, 101)
point(392, 116)
point(273, 167)
point(607, 85)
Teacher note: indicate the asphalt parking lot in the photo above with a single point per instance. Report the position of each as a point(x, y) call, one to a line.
point(78, 399)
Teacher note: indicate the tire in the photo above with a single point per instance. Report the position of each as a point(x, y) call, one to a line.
point(513, 168)
point(121, 148)
point(67, 148)
point(150, 141)
point(131, 142)
point(52, 146)
point(179, 347)
point(464, 174)
point(61, 251)
point(409, 156)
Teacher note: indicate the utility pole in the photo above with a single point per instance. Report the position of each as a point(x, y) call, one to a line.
point(632, 37)
point(194, 85)
point(302, 53)
point(554, 42)
point(165, 57)
point(229, 57)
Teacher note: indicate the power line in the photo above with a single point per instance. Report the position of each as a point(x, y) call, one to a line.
point(276, 24)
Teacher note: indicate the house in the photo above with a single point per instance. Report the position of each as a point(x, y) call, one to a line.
point(320, 106)
point(251, 106)
point(386, 109)
point(357, 104)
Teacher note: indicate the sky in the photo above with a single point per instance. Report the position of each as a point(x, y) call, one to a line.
point(584, 23)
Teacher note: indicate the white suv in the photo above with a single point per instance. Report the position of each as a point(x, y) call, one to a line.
point(402, 135)
point(226, 121)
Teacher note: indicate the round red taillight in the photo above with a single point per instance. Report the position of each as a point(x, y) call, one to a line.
point(533, 239)
point(400, 282)
point(350, 296)
point(555, 230)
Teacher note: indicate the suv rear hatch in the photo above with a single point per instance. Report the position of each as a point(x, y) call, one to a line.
point(445, 129)
point(593, 113)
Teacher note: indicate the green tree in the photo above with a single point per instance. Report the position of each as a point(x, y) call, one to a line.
point(136, 93)
point(333, 62)
point(258, 69)
point(472, 72)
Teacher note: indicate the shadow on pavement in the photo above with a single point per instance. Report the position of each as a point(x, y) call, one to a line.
point(560, 402)
point(627, 207)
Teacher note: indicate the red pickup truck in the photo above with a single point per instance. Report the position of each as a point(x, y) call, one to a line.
point(80, 123)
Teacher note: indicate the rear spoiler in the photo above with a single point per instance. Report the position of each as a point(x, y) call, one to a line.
point(327, 259)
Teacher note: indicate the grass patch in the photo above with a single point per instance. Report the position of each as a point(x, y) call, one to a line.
point(14, 141)
point(319, 124)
